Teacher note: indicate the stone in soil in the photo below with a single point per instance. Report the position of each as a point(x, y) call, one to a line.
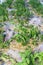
point(8, 31)
point(39, 48)
point(35, 21)
point(15, 55)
